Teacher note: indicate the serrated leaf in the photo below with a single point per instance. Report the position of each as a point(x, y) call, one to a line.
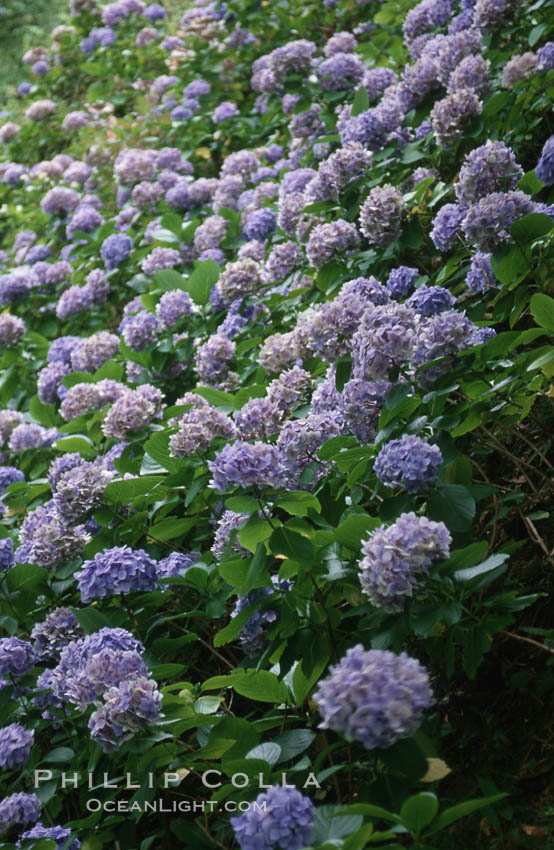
point(268, 752)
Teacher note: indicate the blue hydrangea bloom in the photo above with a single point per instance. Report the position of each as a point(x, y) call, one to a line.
point(117, 570)
point(409, 462)
point(374, 696)
point(287, 821)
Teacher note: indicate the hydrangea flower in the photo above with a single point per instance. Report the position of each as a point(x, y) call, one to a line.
point(126, 709)
point(492, 167)
point(18, 809)
point(544, 168)
point(430, 300)
point(480, 276)
point(15, 746)
point(16, 657)
point(409, 462)
point(284, 818)
point(246, 465)
point(374, 697)
point(395, 558)
point(117, 570)
point(59, 834)
point(381, 215)
point(401, 280)
point(60, 628)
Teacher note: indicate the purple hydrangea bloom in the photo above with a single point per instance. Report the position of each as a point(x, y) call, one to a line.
point(176, 564)
point(431, 300)
point(544, 168)
point(339, 71)
point(60, 200)
point(471, 73)
point(61, 465)
point(80, 489)
point(487, 223)
point(328, 240)
point(58, 630)
point(245, 464)
point(409, 462)
point(155, 12)
point(141, 330)
point(47, 540)
point(198, 427)
point(115, 249)
point(117, 570)
point(361, 404)
point(16, 657)
point(160, 258)
point(224, 111)
point(258, 419)
point(447, 224)
point(85, 219)
point(450, 114)
point(374, 696)
point(15, 746)
point(401, 280)
point(395, 558)
point(545, 57)
point(12, 328)
point(381, 215)
point(49, 382)
point(238, 280)
point(60, 350)
point(489, 168)
point(300, 439)
point(36, 254)
point(126, 710)
point(228, 523)
point(25, 437)
point(480, 276)
point(260, 224)
point(172, 307)
point(90, 353)
point(58, 834)
point(287, 821)
point(132, 411)
point(385, 339)
point(9, 475)
point(212, 359)
point(7, 559)
point(18, 809)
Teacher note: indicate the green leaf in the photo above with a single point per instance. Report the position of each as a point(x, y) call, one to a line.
point(78, 443)
point(412, 153)
point(479, 569)
point(256, 530)
point(343, 369)
point(169, 279)
point(531, 227)
point(256, 571)
point(157, 447)
point(44, 414)
point(406, 758)
point(298, 503)
point(291, 544)
point(230, 631)
point(355, 529)
point(454, 813)
point(293, 742)
point(370, 811)
point(218, 398)
point(418, 811)
point(331, 823)
point(397, 394)
point(509, 264)
point(60, 755)
point(530, 183)
point(26, 577)
point(268, 752)
point(90, 619)
point(360, 102)
point(125, 490)
point(454, 505)
point(495, 103)
point(168, 529)
point(261, 685)
point(242, 504)
point(201, 281)
point(542, 308)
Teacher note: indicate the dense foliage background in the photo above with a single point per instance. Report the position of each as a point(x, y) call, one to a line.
point(276, 382)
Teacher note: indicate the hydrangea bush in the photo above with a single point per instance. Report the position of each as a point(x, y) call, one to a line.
point(276, 424)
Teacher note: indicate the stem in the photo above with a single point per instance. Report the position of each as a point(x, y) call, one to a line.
point(529, 640)
point(321, 600)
